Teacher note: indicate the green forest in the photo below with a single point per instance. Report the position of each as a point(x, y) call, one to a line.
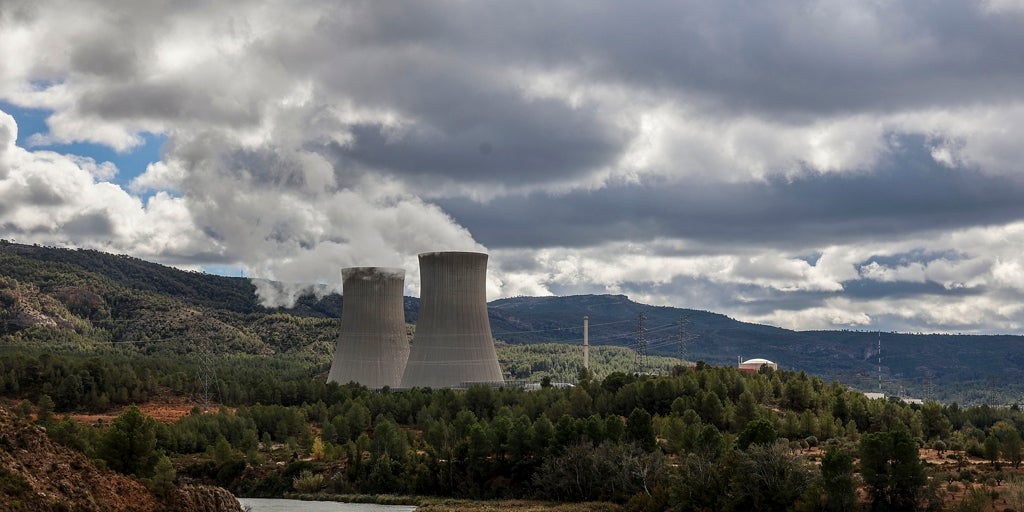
point(690, 440)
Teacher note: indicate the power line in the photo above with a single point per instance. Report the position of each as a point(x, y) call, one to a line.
point(554, 329)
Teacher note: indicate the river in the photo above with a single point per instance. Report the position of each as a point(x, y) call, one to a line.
point(275, 505)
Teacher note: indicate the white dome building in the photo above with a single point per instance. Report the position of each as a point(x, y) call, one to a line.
point(754, 365)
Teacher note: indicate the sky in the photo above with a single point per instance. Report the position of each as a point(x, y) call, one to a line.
point(806, 164)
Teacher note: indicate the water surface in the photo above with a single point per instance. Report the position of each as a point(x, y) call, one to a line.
point(276, 505)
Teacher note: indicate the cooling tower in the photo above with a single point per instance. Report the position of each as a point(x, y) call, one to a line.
point(372, 348)
point(452, 345)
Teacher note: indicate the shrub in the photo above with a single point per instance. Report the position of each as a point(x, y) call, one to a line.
point(308, 482)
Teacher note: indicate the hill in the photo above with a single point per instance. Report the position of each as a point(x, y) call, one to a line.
point(89, 298)
point(966, 368)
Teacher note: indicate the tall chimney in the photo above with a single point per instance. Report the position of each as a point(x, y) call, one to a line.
point(586, 342)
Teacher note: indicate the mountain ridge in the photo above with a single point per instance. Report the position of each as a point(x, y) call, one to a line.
point(80, 293)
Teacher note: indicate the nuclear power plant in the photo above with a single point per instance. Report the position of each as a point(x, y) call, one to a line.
point(452, 346)
point(372, 348)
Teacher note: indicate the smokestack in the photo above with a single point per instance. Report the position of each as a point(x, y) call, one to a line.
point(586, 342)
point(453, 344)
point(372, 348)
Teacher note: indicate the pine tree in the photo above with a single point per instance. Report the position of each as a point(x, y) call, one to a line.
point(129, 445)
point(891, 468)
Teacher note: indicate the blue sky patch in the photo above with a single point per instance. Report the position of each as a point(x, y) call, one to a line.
point(32, 121)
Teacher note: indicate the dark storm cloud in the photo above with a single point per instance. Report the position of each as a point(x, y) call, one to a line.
point(528, 145)
point(797, 57)
point(110, 54)
point(200, 259)
point(760, 301)
point(907, 194)
point(169, 102)
point(702, 293)
point(466, 123)
point(455, 75)
point(85, 225)
point(916, 256)
point(787, 58)
point(866, 289)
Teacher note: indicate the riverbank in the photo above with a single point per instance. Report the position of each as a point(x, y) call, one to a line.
point(440, 505)
point(428, 504)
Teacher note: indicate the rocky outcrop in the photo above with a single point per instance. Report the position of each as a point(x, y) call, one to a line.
point(201, 498)
point(37, 474)
point(23, 306)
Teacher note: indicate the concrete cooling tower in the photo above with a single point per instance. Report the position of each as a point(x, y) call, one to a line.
point(452, 345)
point(372, 348)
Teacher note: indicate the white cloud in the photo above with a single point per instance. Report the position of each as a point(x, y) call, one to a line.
point(64, 200)
point(304, 138)
point(842, 315)
point(912, 273)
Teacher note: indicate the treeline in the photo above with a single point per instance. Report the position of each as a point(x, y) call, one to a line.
point(96, 380)
point(561, 362)
point(90, 377)
point(705, 439)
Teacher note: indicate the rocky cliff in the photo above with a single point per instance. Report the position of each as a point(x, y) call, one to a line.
point(37, 474)
point(196, 498)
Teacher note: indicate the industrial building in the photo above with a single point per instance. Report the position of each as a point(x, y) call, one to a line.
point(452, 346)
point(373, 348)
point(754, 365)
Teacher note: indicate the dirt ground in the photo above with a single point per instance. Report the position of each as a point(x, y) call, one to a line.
point(165, 410)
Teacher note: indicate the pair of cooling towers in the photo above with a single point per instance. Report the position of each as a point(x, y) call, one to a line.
point(452, 346)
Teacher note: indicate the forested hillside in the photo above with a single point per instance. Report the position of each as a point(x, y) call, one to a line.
point(84, 297)
point(964, 368)
point(74, 325)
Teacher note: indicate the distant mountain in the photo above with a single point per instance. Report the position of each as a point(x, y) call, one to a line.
point(963, 367)
point(91, 295)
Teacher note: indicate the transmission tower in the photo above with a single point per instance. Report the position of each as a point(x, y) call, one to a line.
point(684, 338)
point(206, 374)
point(929, 385)
point(640, 363)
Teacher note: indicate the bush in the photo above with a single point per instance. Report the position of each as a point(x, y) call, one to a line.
point(164, 475)
point(974, 449)
point(308, 482)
